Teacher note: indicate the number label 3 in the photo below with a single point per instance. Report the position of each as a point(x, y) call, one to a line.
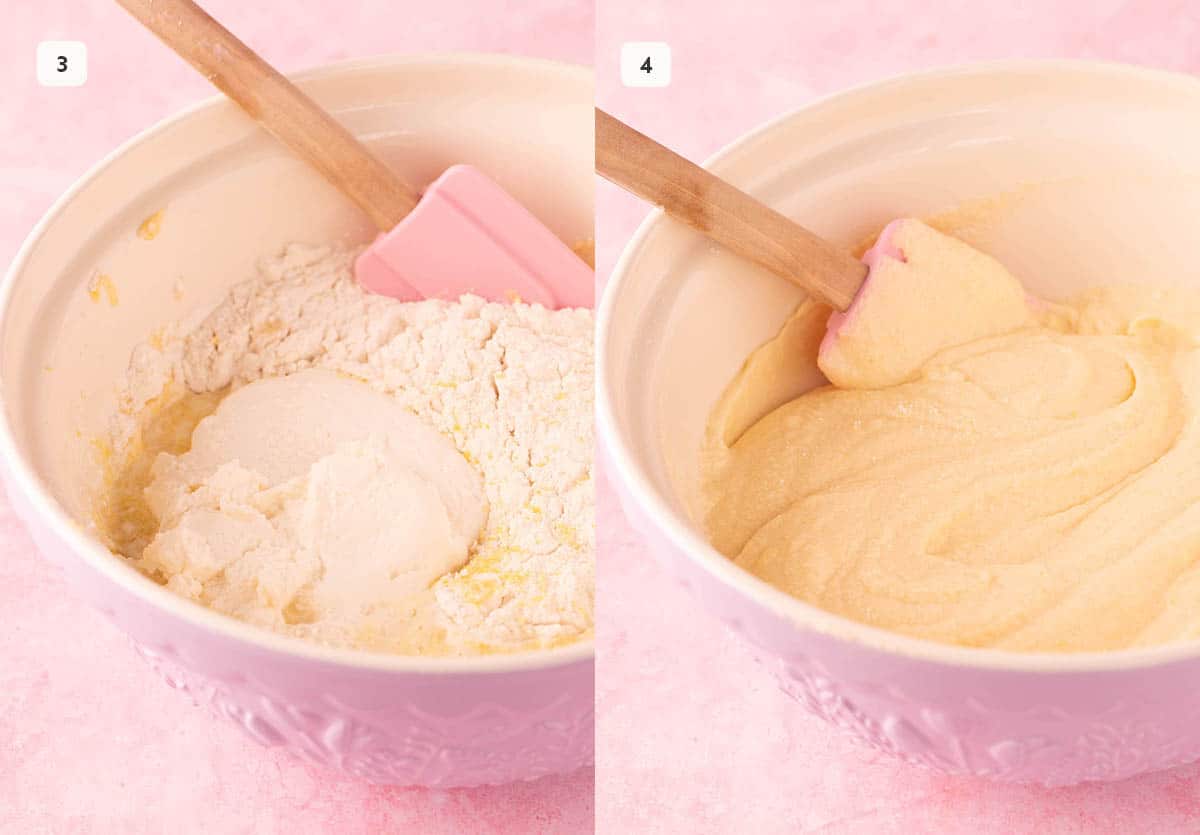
point(62, 63)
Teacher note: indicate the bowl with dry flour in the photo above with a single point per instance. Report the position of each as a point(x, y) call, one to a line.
point(362, 529)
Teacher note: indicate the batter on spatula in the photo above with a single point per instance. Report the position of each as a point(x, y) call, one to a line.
point(985, 469)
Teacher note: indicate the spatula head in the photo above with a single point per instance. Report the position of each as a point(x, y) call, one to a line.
point(468, 235)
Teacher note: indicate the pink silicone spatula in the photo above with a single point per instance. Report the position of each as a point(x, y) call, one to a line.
point(464, 234)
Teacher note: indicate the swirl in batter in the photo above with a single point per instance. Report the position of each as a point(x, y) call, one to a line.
point(985, 469)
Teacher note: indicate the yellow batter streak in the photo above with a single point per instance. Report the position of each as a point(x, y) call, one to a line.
point(1030, 483)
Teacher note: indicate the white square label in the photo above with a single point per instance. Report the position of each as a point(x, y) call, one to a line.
point(645, 64)
point(61, 63)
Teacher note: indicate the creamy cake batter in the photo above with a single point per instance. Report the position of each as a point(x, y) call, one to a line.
point(987, 469)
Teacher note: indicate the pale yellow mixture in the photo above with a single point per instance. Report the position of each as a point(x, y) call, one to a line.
point(1000, 473)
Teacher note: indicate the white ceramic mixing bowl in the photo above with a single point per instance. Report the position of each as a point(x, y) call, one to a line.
point(231, 194)
point(1071, 174)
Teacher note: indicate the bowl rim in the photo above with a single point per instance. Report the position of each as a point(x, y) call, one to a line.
point(112, 568)
point(799, 614)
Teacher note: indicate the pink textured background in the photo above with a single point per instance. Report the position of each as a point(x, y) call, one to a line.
point(693, 736)
point(90, 739)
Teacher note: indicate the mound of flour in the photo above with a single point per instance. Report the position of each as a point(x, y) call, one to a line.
point(510, 385)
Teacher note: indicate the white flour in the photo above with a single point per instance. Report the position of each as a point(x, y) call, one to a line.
point(511, 385)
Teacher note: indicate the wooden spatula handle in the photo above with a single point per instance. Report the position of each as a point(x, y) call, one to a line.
point(279, 106)
point(731, 217)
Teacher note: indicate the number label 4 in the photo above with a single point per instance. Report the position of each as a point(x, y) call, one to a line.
point(645, 64)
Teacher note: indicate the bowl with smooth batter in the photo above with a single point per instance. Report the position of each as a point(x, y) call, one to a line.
point(1073, 175)
point(165, 227)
